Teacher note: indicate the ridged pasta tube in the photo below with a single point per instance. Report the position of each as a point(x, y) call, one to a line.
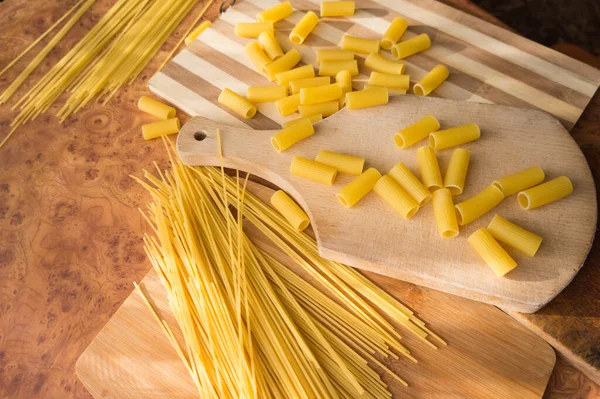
point(478, 205)
point(344, 79)
point(296, 85)
point(257, 56)
point(358, 188)
point(326, 109)
point(379, 63)
point(334, 55)
point(389, 80)
point(367, 98)
point(288, 105)
point(311, 118)
point(456, 174)
point(520, 181)
point(332, 68)
point(313, 170)
point(416, 132)
point(545, 193)
point(392, 193)
point(411, 46)
point(337, 8)
point(303, 28)
point(275, 13)
point(360, 45)
point(514, 236)
point(319, 94)
point(445, 215)
point(288, 208)
point(160, 128)
point(156, 108)
point(197, 32)
point(252, 29)
point(292, 134)
point(342, 162)
point(266, 94)
point(270, 45)
point(410, 183)
point(237, 103)
point(491, 252)
point(303, 72)
point(282, 64)
point(431, 81)
point(443, 139)
point(429, 168)
point(393, 33)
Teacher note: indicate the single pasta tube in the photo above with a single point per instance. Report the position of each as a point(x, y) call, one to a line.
point(343, 163)
point(456, 174)
point(160, 128)
point(478, 205)
point(514, 236)
point(409, 182)
point(379, 63)
point(296, 85)
point(288, 105)
point(429, 168)
point(358, 188)
point(197, 32)
point(431, 81)
point(416, 132)
point(520, 181)
point(393, 33)
point(257, 56)
point(275, 13)
point(320, 94)
point(491, 252)
point(290, 135)
point(282, 64)
point(389, 80)
point(391, 192)
point(156, 108)
point(303, 28)
point(303, 72)
point(252, 29)
point(334, 55)
point(331, 67)
point(266, 94)
point(390, 90)
point(411, 46)
point(445, 215)
point(366, 98)
point(283, 204)
point(545, 193)
point(313, 170)
point(360, 45)
point(326, 109)
point(312, 119)
point(270, 45)
point(337, 8)
point(344, 79)
point(237, 103)
point(443, 139)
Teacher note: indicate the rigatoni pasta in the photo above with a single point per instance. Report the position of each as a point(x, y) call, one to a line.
point(416, 132)
point(237, 103)
point(491, 252)
point(332, 67)
point(282, 64)
point(445, 215)
point(326, 109)
point(514, 236)
point(334, 55)
point(360, 45)
point(276, 13)
point(303, 72)
point(358, 188)
point(265, 94)
point(156, 108)
point(344, 79)
point(313, 170)
point(367, 98)
point(379, 63)
point(292, 134)
point(283, 204)
point(431, 81)
point(456, 174)
point(520, 181)
point(392, 193)
point(410, 183)
point(252, 29)
point(288, 105)
point(429, 168)
point(342, 162)
point(197, 32)
point(270, 45)
point(411, 46)
point(257, 56)
point(393, 33)
point(478, 205)
point(303, 28)
point(319, 94)
point(545, 193)
point(443, 139)
point(311, 118)
point(337, 8)
point(389, 80)
point(296, 85)
point(161, 128)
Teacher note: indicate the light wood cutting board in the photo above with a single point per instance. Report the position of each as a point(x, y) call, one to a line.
point(489, 355)
point(373, 237)
point(487, 64)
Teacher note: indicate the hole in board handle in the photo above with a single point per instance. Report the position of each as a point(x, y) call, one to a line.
point(199, 136)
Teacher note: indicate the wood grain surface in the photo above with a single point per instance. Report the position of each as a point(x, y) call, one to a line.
point(72, 182)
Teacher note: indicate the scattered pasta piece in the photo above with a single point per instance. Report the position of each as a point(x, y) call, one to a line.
point(358, 188)
point(303, 72)
point(392, 193)
point(319, 94)
point(266, 94)
point(197, 32)
point(343, 163)
point(443, 139)
point(288, 105)
point(283, 204)
point(296, 85)
point(545, 193)
point(270, 45)
point(514, 236)
point(389, 80)
point(393, 33)
point(252, 29)
point(491, 252)
point(292, 134)
point(411, 46)
point(445, 215)
point(367, 98)
point(409, 182)
point(416, 132)
point(360, 45)
point(275, 13)
point(282, 64)
point(161, 128)
point(520, 181)
point(456, 174)
point(313, 170)
point(429, 168)
point(312, 119)
point(237, 103)
point(379, 63)
point(337, 8)
point(326, 109)
point(431, 81)
point(156, 108)
point(257, 56)
point(303, 28)
point(344, 79)
point(334, 55)
point(332, 68)
point(477, 206)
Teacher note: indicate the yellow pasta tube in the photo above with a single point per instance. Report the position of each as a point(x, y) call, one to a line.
point(410, 183)
point(319, 94)
point(445, 215)
point(290, 135)
point(252, 29)
point(393, 33)
point(344, 79)
point(379, 63)
point(337, 8)
point(360, 45)
point(311, 118)
point(197, 32)
point(520, 181)
point(288, 105)
point(431, 81)
point(282, 64)
point(443, 139)
point(392, 193)
point(456, 174)
point(389, 80)
point(283, 204)
point(275, 13)
point(326, 109)
point(334, 55)
point(303, 72)
point(390, 90)
point(514, 236)
point(156, 108)
point(332, 68)
point(411, 46)
point(343, 163)
point(270, 45)
point(257, 56)
point(303, 28)
point(296, 85)
point(491, 252)
point(266, 94)
point(237, 103)
point(545, 193)
point(366, 98)
point(477, 206)
point(160, 128)
point(358, 188)
point(429, 168)
point(416, 132)
point(313, 170)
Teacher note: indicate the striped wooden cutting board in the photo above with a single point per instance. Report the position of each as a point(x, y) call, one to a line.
point(487, 64)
